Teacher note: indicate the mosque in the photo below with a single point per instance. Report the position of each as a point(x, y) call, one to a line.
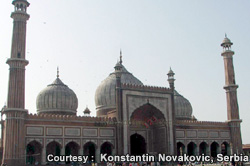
point(132, 118)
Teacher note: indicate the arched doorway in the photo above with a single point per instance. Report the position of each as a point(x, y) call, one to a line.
point(89, 150)
point(106, 148)
point(53, 148)
point(33, 153)
point(72, 148)
point(148, 117)
point(214, 149)
point(203, 148)
point(137, 144)
point(191, 149)
point(225, 149)
point(180, 149)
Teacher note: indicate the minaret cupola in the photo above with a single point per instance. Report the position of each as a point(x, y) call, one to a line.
point(21, 5)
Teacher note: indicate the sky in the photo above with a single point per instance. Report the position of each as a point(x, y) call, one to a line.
point(84, 37)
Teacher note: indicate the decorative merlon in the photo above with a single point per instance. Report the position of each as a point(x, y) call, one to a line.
point(69, 118)
point(146, 88)
point(195, 122)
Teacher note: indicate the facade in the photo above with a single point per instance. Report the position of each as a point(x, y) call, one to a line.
point(131, 117)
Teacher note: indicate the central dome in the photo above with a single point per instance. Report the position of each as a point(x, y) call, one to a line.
point(57, 98)
point(105, 93)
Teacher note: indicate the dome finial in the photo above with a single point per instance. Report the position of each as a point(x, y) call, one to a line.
point(225, 35)
point(57, 72)
point(120, 56)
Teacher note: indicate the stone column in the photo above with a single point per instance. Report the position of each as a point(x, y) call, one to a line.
point(209, 149)
point(80, 152)
point(97, 155)
point(113, 152)
point(196, 152)
point(219, 149)
point(44, 156)
point(62, 151)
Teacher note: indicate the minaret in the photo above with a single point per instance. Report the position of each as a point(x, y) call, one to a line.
point(118, 74)
point(231, 93)
point(14, 144)
point(171, 81)
point(119, 130)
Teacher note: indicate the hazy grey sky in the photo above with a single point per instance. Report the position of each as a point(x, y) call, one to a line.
point(84, 37)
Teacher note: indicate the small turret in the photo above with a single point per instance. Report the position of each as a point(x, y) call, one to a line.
point(21, 5)
point(171, 78)
point(86, 111)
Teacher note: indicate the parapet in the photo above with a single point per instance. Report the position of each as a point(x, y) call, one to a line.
point(205, 123)
point(71, 118)
point(147, 88)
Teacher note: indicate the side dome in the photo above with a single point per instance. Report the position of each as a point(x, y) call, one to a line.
point(57, 98)
point(105, 92)
point(183, 108)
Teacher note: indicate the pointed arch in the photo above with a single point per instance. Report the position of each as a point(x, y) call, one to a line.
point(225, 148)
point(203, 148)
point(33, 152)
point(53, 148)
point(180, 148)
point(107, 148)
point(191, 149)
point(147, 115)
point(214, 149)
point(72, 148)
point(89, 149)
point(137, 144)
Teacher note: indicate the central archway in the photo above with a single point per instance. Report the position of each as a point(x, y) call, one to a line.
point(150, 119)
point(147, 115)
point(137, 144)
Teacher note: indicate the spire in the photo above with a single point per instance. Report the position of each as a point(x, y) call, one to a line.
point(170, 72)
point(120, 56)
point(57, 72)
